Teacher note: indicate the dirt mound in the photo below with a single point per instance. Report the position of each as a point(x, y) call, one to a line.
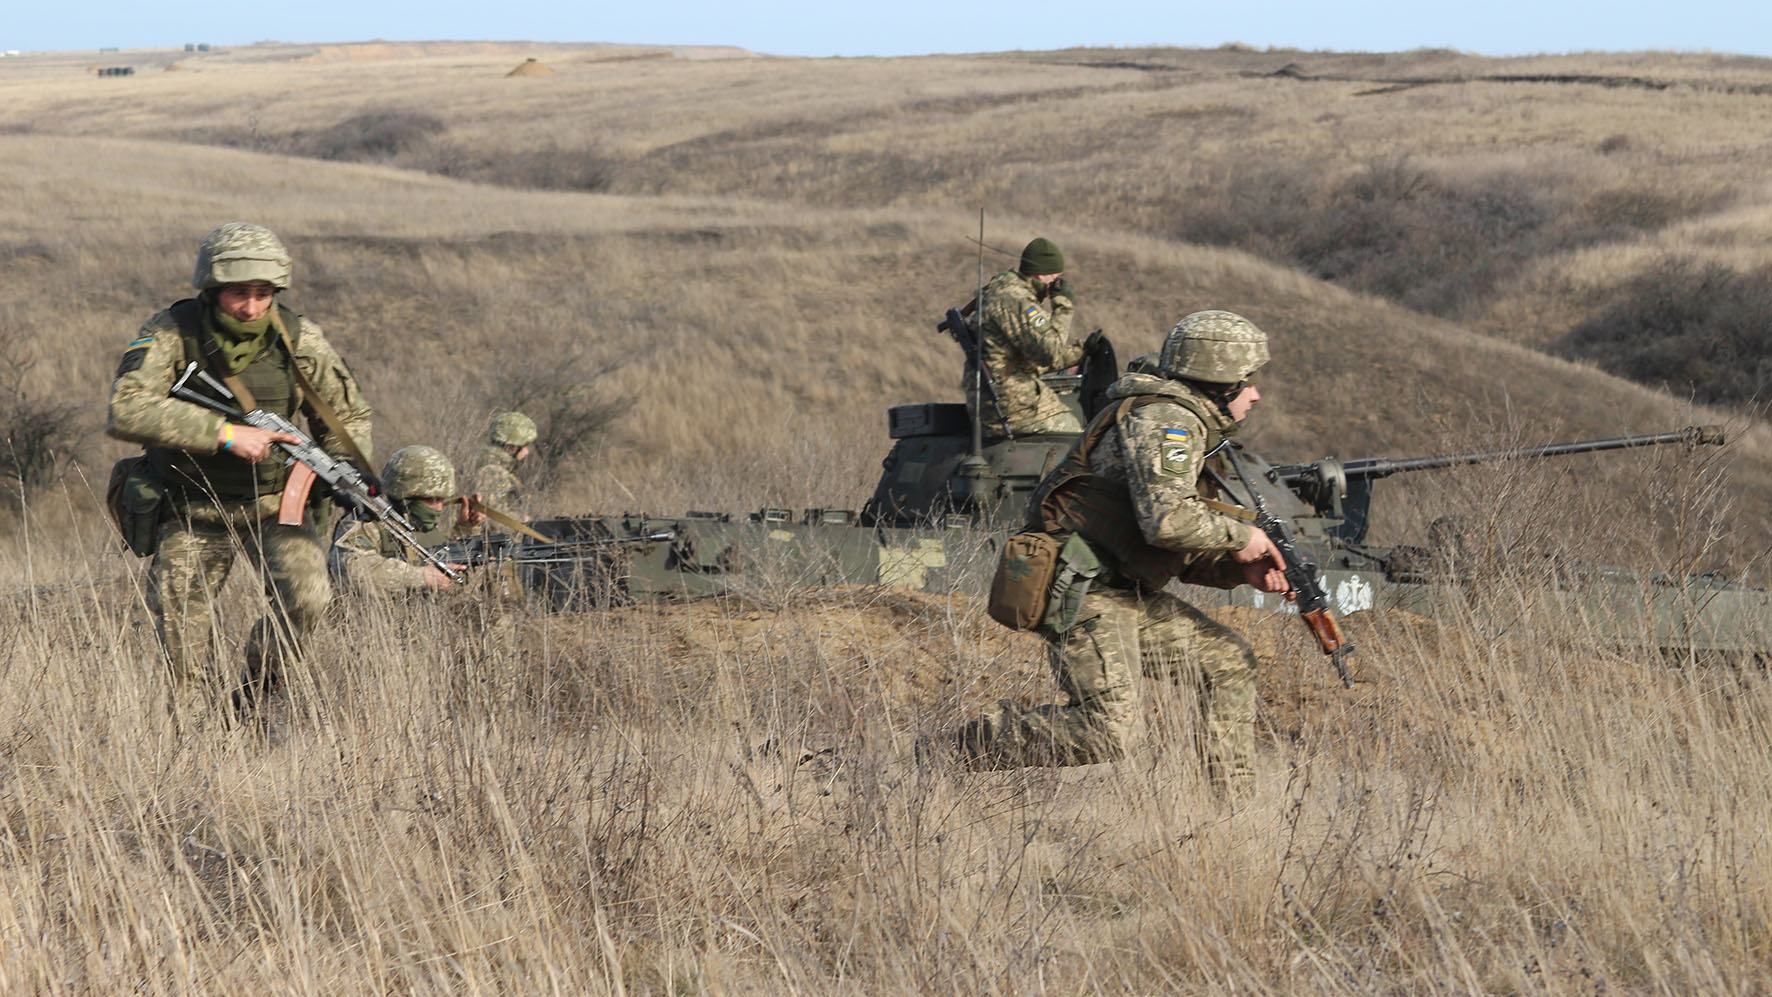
point(923, 652)
point(531, 67)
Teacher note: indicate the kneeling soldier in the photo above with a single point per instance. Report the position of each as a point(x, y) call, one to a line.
point(420, 483)
point(510, 441)
point(1127, 500)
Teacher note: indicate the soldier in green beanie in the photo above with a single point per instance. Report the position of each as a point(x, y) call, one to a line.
point(222, 481)
point(1019, 340)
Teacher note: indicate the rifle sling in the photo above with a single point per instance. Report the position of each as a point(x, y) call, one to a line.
point(1227, 509)
point(507, 520)
point(317, 406)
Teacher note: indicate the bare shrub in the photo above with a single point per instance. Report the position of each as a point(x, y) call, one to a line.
point(379, 135)
point(565, 393)
point(1693, 326)
point(1623, 211)
point(35, 432)
point(588, 169)
point(1261, 209)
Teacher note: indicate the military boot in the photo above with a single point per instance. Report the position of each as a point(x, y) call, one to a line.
point(997, 742)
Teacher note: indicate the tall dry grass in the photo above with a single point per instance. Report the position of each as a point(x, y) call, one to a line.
point(723, 798)
point(474, 796)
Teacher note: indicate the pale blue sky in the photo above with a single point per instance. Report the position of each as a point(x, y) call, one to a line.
point(806, 27)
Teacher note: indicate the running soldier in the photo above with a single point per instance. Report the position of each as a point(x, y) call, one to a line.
point(222, 481)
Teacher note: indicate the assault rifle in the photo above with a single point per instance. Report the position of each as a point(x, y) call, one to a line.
point(1301, 575)
point(308, 462)
point(477, 551)
point(962, 332)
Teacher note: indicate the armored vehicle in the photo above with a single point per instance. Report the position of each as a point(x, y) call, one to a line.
point(947, 496)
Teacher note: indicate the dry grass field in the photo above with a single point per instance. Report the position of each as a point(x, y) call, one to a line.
point(743, 258)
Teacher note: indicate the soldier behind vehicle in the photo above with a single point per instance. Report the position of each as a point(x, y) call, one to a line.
point(510, 440)
point(1020, 341)
point(366, 557)
point(206, 488)
point(1128, 508)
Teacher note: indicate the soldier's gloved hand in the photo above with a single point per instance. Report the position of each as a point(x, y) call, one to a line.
point(1061, 288)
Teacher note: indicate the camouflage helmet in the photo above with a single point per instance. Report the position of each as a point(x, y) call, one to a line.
point(513, 429)
point(1215, 347)
point(418, 472)
point(239, 253)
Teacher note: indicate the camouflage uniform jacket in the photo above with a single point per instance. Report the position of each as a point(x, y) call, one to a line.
point(366, 558)
point(496, 482)
point(143, 411)
point(1019, 342)
point(1157, 450)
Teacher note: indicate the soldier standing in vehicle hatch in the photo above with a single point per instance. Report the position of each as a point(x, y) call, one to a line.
point(1020, 340)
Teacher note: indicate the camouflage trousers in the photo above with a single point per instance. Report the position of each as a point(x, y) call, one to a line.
point(1053, 417)
point(190, 567)
point(1125, 636)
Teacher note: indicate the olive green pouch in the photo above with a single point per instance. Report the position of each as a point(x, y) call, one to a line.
point(137, 502)
point(1023, 583)
point(1078, 567)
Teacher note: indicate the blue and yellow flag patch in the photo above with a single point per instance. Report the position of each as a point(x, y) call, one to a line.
point(1175, 448)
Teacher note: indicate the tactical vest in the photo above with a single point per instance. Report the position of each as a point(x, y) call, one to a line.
point(389, 546)
point(271, 379)
point(1074, 499)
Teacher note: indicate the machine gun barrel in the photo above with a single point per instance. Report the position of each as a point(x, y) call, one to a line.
point(1380, 467)
point(477, 551)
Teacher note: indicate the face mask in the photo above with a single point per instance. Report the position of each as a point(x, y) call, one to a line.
point(423, 516)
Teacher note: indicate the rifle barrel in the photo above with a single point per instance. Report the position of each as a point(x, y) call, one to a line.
point(1381, 467)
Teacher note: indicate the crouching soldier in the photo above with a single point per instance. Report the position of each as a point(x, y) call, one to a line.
point(510, 441)
point(1128, 504)
point(367, 557)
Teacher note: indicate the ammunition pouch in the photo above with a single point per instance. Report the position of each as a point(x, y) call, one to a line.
point(1041, 581)
point(136, 498)
point(1078, 568)
point(1021, 589)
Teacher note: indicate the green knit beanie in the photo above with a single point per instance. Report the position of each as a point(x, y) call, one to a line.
point(1041, 256)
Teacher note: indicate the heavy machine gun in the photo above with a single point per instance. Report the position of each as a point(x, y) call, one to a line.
point(1341, 490)
point(477, 551)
